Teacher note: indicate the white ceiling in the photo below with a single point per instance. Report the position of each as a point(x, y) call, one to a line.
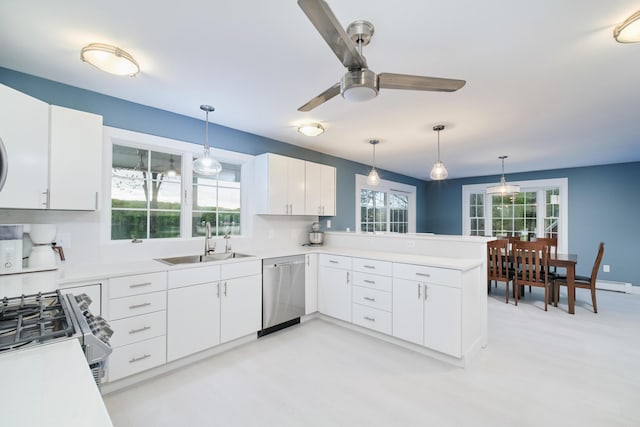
point(546, 82)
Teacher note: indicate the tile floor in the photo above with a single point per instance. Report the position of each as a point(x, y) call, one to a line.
point(540, 369)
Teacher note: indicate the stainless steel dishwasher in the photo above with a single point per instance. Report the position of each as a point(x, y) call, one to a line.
point(282, 292)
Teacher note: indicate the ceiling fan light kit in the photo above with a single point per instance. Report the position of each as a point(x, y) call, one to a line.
point(206, 165)
point(503, 188)
point(629, 30)
point(360, 83)
point(438, 172)
point(311, 129)
point(373, 178)
point(110, 59)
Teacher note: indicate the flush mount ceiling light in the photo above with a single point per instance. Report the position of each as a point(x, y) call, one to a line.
point(206, 165)
point(311, 129)
point(439, 172)
point(503, 188)
point(109, 58)
point(373, 178)
point(629, 30)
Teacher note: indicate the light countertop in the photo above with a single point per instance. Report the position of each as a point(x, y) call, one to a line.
point(50, 385)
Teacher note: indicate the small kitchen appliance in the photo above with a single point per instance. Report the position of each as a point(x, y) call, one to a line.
point(11, 248)
point(42, 256)
point(316, 237)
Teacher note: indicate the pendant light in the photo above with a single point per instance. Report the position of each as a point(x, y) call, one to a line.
point(373, 178)
point(206, 165)
point(503, 188)
point(439, 172)
point(171, 173)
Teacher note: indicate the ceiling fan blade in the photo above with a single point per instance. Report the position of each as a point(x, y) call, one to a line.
point(405, 81)
point(327, 24)
point(322, 98)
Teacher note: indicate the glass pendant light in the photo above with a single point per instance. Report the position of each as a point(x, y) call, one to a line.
point(206, 165)
point(373, 178)
point(438, 172)
point(171, 173)
point(503, 188)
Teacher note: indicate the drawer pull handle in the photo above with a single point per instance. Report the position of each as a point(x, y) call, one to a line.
point(332, 261)
point(137, 359)
point(370, 266)
point(370, 299)
point(144, 304)
point(423, 274)
point(373, 282)
point(139, 285)
point(419, 294)
point(370, 319)
point(135, 331)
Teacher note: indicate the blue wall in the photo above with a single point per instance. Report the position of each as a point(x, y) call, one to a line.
point(123, 114)
point(604, 206)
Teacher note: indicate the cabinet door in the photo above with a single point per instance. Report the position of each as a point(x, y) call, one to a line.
point(296, 186)
point(193, 319)
point(24, 129)
point(328, 190)
point(443, 319)
point(93, 291)
point(311, 283)
point(334, 293)
point(240, 307)
point(408, 310)
point(313, 198)
point(74, 159)
point(278, 202)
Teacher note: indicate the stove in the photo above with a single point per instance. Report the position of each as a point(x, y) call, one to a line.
point(43, 318)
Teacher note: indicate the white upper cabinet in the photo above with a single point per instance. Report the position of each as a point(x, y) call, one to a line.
point(280, 185)
point(53, 154)
point(24, 129)
point(74, 159)
point(320, 197)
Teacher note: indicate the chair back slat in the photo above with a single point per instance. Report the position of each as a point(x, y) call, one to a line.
point(532, 260)
point(497, 260)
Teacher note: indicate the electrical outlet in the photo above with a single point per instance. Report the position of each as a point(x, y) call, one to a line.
point(328, 223)
point(411, 244)
point(64, 240)
point(606, 268)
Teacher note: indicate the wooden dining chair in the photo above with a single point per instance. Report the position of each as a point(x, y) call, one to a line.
point(498, 264)
point(582, 282)
point(532, 269)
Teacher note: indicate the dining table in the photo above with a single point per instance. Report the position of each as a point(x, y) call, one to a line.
point(568, 262)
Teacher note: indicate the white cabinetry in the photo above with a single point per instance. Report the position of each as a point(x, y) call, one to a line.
point(137, 314)
point(74, 159)
point(427, 307)
point(334, 286)
point(311, 283)
point(53, 153)
point(241, 307)
point(93, 291)
point(280, 185)
point(372, 294)
point(320, 195)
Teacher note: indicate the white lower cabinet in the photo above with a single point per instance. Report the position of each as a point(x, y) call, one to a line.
point(311, 283)
point(443, 319)
point(240, 307)
point(137, 357)
point(334, 286)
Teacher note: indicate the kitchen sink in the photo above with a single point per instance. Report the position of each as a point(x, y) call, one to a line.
point(196, 259)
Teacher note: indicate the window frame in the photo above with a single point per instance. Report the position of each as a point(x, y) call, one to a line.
point(186, 150)
point(388, 187)
point(540, 186)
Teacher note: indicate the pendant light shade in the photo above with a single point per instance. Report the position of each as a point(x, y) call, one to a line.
point(438, 171)
point(503, 188)
point(373, 178)
point(206, 165)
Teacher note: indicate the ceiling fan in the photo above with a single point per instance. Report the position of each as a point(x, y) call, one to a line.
point(359, 83)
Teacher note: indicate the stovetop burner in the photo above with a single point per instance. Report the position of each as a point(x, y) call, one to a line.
point(33, 319)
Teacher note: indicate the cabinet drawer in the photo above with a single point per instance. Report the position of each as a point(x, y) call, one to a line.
point(372, 298)
point(138, 328)
point(372, 318)
point(240, 269)
point(372, 266)
point(422, 273)
point(373, 281)
point(193, 276)
point(137, 305)
point(139, 284)
point(335, 261)
point(138, 357)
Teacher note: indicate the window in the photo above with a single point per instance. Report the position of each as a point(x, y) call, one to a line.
point(387, 207)
point(153, 192)
point(537, 210)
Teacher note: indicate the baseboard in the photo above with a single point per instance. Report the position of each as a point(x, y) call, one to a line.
point(626, 288)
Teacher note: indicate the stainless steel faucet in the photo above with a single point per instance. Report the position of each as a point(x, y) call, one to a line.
point(227, 245)
point(207, 240)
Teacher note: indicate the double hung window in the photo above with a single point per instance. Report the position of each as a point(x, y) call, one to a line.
point(387, 207)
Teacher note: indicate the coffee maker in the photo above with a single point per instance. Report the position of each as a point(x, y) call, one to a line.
point(42, 255)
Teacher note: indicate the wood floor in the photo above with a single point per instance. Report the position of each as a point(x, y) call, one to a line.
point(539, 369)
